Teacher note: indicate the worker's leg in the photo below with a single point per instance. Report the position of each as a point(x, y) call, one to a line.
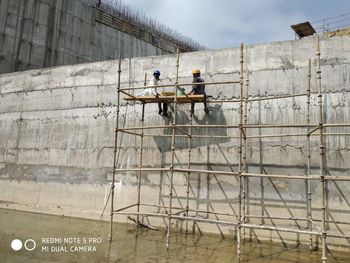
point(165, 108)
point(159, 108)
point(205, 104)
point(192, 108)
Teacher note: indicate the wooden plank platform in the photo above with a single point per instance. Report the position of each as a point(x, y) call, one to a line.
point(154, 99)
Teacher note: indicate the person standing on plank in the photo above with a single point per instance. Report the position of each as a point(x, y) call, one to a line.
point(153, 90)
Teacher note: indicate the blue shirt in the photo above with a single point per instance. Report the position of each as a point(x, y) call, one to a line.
point(198, 89)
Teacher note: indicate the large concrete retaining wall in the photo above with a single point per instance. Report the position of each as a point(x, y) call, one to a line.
point(57, 131)
point(42, 33)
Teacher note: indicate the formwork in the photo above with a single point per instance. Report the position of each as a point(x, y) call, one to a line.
point(316, 226)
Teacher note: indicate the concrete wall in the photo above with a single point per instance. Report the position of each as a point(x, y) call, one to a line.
point(43, 33)
point(57, 131)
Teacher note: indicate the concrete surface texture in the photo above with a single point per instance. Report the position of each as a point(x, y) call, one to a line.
point(57, 136)
point(44, 33)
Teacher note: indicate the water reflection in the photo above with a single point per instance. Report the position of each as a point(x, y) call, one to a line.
point(53, 233)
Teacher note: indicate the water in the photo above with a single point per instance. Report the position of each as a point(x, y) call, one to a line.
point(61, 235)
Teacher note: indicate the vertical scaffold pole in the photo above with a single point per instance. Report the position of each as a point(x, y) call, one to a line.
point(189, 146)
point(245, 167)
point(141, 155)
point(239, 225)
point(320, 126)
point(172, 152)
point(308, 182)
point(115, 149)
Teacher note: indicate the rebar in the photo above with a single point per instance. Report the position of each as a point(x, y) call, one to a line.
point(139, 20)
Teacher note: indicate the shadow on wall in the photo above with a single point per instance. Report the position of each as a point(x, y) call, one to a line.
point(215, 117)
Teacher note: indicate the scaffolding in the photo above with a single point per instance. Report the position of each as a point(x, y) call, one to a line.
point(240, 221)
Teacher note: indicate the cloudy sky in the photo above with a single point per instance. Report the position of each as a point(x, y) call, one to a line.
point(227, 23)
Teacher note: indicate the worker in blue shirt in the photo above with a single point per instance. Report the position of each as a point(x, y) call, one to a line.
point(198, 89)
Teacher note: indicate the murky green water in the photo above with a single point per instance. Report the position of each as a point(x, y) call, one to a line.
point(60, 239)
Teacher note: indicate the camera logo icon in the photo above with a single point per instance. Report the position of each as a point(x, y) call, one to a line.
point(17, 244)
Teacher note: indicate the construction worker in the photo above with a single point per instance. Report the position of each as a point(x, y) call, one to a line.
point(198, 89)
point(154, 91)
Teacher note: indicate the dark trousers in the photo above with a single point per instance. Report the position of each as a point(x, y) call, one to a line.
point(165, 107)
point(205, 104)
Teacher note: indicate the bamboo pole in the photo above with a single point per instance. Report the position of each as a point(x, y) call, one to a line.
point(281, 229)
point(184, 85)
point(299, 219)
point(320, 120)
point(189, 147)
point(190, 210)
point(141, 157)
point(124, 208)
point(172, 153)
point(246, 207)
point(205, 220)
point(115, 151)
point(195, 219)
point(182, 131)
point(223, 126)
point(247, 137)
point(283, 176)
point(277, 97)
point(336, 134)
point(279, 126)
point(210, 83)
point(128, 94)
point(336, 125)
point(337, 178)
point(154, 169)
point(145, 127)
point(312, 131)
point(277, 135)
point(128, 132)
point(308, 172)
point(273, 176)
point(240, 161)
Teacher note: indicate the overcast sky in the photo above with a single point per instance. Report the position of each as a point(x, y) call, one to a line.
point(227, 23)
